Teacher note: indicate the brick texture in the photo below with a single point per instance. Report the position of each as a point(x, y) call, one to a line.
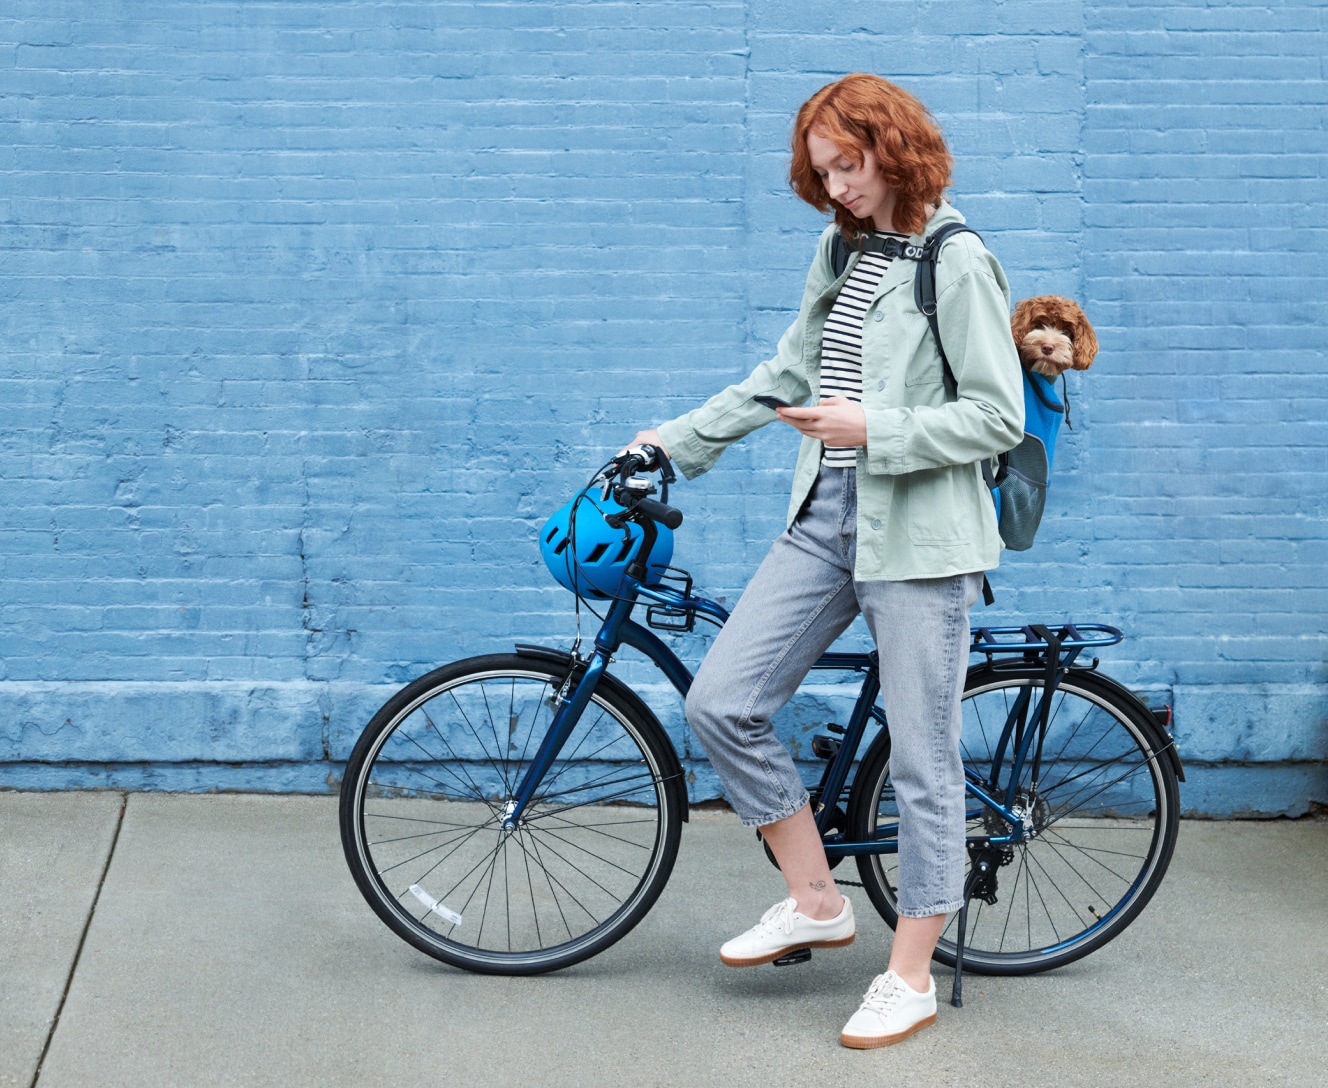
point(314, 311)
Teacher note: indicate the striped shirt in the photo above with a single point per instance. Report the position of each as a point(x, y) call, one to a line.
point(841, 343)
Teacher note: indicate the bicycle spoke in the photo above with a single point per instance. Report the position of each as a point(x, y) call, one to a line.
point(1055, 835)
point(1014, 890)
point(407, 838)
point(549, 875)
point(577, 869)
point(1075, 803)
point(479, 793)
point(548, 878)
point(530, 886)
point(414, 819)
point(594, 800)
point(616, 838)
point(460, 839)
point(1047, 910)
point(466, 785)
point(585, 850)
point(484, 909)
point(1083, 879)
point(1075, 912)
point(500, 750)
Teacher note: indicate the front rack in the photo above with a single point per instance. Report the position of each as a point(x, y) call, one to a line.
point(1028, 640)
point(678, 618)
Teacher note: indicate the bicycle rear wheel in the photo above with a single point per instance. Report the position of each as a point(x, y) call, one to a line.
point(422, 808)
point(1101, 830)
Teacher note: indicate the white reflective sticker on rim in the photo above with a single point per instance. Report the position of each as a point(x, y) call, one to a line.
point(435, 906)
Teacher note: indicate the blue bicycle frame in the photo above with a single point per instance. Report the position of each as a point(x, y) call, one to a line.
point(1053, 651)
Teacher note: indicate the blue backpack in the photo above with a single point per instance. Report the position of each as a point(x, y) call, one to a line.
point(1019, 481)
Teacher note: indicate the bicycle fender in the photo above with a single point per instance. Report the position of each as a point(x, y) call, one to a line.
point(674, 771)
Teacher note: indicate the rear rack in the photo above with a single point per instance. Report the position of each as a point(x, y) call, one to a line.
point(1026, 640)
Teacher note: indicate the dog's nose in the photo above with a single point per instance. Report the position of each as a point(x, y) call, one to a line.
point(1047, 349)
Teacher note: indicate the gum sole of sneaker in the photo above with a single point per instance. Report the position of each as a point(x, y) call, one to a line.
point(871, 1042)
point(770, 957)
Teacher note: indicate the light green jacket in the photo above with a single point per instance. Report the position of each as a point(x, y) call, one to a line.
point(923, 508)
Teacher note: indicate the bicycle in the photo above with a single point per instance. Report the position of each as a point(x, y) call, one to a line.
point(541, 800)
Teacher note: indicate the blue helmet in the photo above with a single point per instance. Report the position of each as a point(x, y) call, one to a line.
point(601, 552)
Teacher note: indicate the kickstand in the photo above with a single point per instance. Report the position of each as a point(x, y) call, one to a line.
point(957, 994)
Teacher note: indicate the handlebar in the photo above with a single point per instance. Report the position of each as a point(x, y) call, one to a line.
point(644, 458)
point(632, 492)
point(667, 515)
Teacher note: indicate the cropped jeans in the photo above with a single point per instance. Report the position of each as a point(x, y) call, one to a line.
point(800, 600)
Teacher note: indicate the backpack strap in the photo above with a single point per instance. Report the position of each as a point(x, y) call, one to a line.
point(839, 254)
point(924, 287)
point(841, 249)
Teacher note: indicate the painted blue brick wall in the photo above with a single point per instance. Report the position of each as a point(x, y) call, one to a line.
point(313, 311)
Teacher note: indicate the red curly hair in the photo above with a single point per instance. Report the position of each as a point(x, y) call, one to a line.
point(867, 112)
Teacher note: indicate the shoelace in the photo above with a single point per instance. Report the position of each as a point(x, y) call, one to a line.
point(781, 913)
point(884, 991)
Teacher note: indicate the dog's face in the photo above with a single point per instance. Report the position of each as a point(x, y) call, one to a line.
point(1053, 335)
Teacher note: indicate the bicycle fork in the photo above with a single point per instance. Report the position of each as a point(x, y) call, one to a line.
point(567, 713)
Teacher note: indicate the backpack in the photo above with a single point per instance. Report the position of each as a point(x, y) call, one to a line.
point(1019, 481)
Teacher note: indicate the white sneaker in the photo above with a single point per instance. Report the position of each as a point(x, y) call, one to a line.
point(890, 1012)
point(782, 930)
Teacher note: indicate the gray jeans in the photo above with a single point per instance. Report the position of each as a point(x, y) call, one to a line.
point(799, 601)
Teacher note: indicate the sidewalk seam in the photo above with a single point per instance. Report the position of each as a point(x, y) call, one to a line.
point(82, 939)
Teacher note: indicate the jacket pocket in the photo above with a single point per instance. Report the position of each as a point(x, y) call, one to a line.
point(938, 508)
point(924, 363)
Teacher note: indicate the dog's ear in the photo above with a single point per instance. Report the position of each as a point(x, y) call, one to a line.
point(1085, 342)
point(1021, 322)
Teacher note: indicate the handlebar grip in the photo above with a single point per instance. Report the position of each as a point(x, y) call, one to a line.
point(657, 511)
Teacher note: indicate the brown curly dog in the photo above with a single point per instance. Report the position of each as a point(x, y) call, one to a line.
point(1053, 335)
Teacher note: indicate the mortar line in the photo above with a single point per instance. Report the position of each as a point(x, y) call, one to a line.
point(82, 939)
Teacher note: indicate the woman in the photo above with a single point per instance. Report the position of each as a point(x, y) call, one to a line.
point(889, 517)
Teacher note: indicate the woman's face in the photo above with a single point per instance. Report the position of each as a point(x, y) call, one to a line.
point(858, 187)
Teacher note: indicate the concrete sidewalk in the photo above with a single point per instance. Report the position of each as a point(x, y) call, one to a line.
point(218, 940)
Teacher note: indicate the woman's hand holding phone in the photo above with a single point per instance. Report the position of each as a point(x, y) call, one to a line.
point(836, 421)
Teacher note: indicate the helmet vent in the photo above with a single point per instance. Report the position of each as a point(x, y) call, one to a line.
point(562, 547)
point(596, 552)
point(552, 533)
point(626, 550)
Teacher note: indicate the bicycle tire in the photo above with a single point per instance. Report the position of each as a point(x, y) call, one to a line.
point(1104, 826)
point(591, 854)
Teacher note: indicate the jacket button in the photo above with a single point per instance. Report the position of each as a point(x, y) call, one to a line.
point(876, 523)
point(880, 316)
point(880, 385)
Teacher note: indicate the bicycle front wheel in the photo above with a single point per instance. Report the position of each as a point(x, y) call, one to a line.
point(422, 807)
point(1100, 829)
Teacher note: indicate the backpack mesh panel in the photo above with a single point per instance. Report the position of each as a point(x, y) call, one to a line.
point(1023, 493)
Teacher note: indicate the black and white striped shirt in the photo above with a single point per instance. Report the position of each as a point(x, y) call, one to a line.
point(841, 343)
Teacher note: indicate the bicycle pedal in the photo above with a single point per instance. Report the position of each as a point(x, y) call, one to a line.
point(798, 955)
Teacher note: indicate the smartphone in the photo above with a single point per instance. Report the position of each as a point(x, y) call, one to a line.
point(773, 402)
